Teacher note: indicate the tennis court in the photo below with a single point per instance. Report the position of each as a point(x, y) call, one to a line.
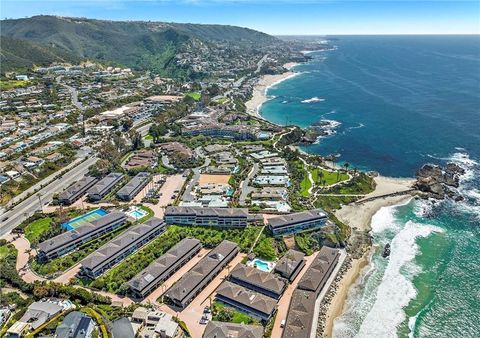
point(82, 219)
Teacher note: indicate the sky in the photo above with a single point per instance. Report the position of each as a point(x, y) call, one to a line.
point(281, 17)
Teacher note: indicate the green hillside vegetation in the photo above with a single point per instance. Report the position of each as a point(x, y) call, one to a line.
point(137, 44)
point(23, 54)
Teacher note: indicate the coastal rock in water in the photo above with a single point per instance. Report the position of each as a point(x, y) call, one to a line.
point(438, 182)
point(453, 168)
point(429, 170)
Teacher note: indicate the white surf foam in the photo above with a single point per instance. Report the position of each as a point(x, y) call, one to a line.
point(313, 100)
point(396, 288)
point(281, 80)
point(375, 303)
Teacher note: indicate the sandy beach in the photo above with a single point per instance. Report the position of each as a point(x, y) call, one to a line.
point(259, 91)
point(359, 216)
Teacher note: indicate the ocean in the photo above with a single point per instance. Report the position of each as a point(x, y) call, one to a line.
point(397, 102)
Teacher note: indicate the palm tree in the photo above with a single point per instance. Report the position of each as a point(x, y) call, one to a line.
point(346, 165)
point(320, 175)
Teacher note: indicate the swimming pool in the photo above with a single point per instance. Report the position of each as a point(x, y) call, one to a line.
point(82, 219)
point(261, 265)
point(136, 213)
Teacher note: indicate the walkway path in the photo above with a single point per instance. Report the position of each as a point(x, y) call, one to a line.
point(256, 239)
point(152, 298)
point(310, 176)
point(194, 311)
point(29, 276)
point(284, 301)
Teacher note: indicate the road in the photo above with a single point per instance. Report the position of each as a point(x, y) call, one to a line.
point(73, 92)
point(245, 185)
point(27, 207)
point(284, 301)
point(187, 195)
point(240, 81)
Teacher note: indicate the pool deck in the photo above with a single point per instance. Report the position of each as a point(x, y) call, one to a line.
point(78, 221)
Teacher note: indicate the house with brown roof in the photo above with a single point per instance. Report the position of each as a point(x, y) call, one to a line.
point(260, 281)
point(253, 303)
point(228, 330)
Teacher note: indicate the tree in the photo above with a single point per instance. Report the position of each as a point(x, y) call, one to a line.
point(320, 176)
point(136, 139)
point(225, 315)
point(346, 165)
point(127, 124)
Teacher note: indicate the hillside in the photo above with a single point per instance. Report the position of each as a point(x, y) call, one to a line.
point(17, 53)
point(136, 44)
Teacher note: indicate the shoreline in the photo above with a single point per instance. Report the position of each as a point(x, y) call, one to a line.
point(359, 217)
point(259, 93)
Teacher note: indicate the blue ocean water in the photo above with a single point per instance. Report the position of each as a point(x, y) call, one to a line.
point(402, 101)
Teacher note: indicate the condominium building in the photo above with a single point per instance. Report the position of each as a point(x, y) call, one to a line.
point(260, 281)
point(195, 280)
point(221, 217)
point(120, 247)
point(70, 240)
point(134, 186)
point(104, 186)
point(228, 330)
point(297, 222)
point(301, 311)
point(231, 132)
point(253, 303)
point(164, 267)
point(290, 265)
point(76, 190)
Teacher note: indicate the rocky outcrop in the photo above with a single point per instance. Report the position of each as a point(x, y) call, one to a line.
point(438, 182)
point(318, 130)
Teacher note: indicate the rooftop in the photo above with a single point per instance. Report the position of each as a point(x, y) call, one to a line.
point(119, 243)
point(297, 217)
point(228, 330)
point(258, 278)
point(246, 297)
point(163, 263)
point(189, 281)
point(207, 212)
point(83, 230)
point(317, 271)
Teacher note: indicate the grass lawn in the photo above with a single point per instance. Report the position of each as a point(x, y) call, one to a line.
point(11, 84)
point(63, 263)
point(305, 185)
point(4, 251)
point(331, 177)
point(148, 137)
point(34, 230)
point(237, 316)
point(114, 280)
point(195, 95)
point(221, 100)
point(148, 216)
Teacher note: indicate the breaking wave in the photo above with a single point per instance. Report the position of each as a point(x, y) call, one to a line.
point(313, 100)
